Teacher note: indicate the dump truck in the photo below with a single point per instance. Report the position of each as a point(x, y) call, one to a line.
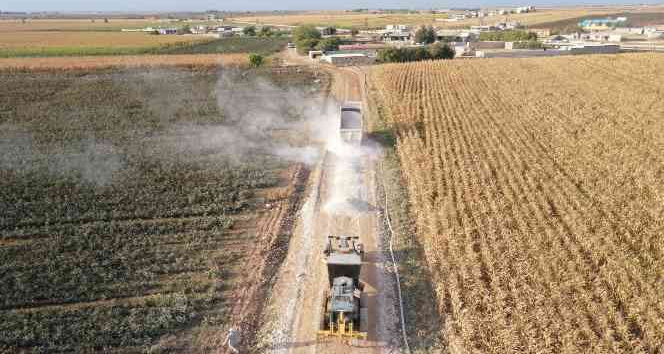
point(344, 312)
point(350, 128)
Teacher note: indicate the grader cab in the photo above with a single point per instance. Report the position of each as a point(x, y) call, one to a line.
point(344, 312)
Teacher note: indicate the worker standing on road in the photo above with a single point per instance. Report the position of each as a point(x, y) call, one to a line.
point(233, 339)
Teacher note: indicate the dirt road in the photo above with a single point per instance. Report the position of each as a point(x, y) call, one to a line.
point(342, 201)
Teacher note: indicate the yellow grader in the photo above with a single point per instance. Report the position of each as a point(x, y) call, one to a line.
point(344, 312)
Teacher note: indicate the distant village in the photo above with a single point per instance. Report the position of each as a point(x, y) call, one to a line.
point(592, 35)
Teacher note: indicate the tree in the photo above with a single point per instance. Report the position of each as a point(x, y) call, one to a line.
point(265, 32)
point(255, 60)
point(441, 51)
point(306, 38)
point(508, 36)
point(354, 32)
point(425, 35)
point(184, 30)
point(106, 20)
point(329, 31)
point(328, 44)
point(249, 31)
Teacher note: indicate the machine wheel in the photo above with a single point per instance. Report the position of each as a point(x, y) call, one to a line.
point(364, 319)
point(324, 319)
point(364, 312)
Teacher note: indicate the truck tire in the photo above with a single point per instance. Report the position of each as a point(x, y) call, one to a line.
point(364, 319)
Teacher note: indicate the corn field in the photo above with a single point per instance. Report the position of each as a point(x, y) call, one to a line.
point(537, 187)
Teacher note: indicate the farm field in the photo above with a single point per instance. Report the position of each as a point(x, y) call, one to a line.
point(46, 38)
point(23, 44)
point(137, 44)
point(14, 40)
point(366, 20)
point(91, 62)
point(113, 24)
point(132, 221)
point(537, 191)
point(259, 45)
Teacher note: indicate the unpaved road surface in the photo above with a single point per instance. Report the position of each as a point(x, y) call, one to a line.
point(341, 201)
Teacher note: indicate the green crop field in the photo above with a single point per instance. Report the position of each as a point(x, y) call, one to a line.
point(30, 44)
point(261, 45)
point(127, 210)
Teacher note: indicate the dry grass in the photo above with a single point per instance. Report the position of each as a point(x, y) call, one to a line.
point(537, 188)
point(122, 61)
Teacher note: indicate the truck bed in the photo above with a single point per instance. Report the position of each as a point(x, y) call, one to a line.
point(350, 127)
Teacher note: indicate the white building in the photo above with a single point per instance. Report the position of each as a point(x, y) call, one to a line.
point(348, 59)
point(397, 28)
point(478, 29)
point(396, 33)
point(199, 29)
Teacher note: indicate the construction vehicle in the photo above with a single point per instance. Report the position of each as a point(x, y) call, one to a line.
point(350, 128)
point(344, 311)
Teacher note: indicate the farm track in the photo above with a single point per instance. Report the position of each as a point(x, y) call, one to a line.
point(527, 250)
point(296, 303)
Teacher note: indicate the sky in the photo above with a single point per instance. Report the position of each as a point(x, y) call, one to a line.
point(255, 5)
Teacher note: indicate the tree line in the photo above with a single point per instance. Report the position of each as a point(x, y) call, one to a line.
point(406, 54)
point(509, 36)
point(307, 38)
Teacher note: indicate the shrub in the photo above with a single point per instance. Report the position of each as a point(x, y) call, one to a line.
point(255, 60)
point(441, 51)
point(184, 30)
point(249, 31)
point(265, 32)
point(329, 44)
point(528, 45)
